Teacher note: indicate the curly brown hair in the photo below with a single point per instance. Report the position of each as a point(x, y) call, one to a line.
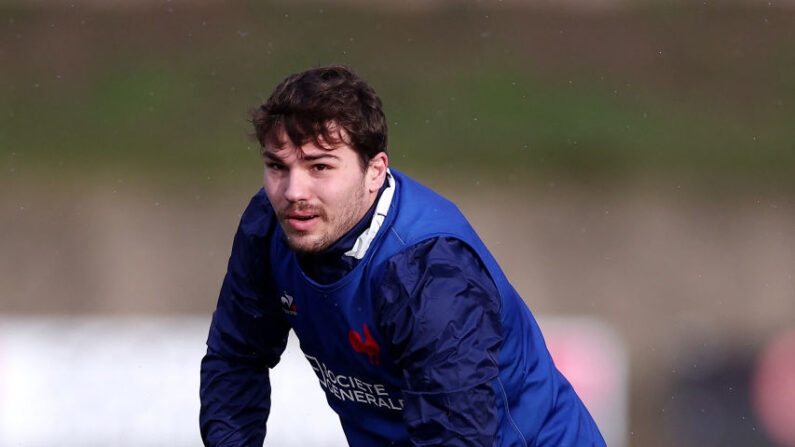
point(307, 106)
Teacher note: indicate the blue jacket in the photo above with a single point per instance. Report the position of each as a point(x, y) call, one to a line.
point(422, 342)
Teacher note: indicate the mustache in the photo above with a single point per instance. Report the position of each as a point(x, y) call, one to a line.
point(299, 208)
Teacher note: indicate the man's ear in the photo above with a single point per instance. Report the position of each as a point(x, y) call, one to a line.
point(376, 171)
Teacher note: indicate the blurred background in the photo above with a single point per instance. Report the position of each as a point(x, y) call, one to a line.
point(631, 164)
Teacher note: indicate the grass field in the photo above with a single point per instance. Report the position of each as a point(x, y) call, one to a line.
point(691, 94)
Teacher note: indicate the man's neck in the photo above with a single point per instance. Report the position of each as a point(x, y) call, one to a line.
point(331, 263)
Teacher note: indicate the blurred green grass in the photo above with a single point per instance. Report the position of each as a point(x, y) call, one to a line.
point(161, 94)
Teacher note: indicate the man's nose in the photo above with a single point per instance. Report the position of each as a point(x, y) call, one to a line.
point(298, 188)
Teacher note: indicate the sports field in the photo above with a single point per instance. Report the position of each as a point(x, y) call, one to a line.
point(684, 93)
point(634, 164)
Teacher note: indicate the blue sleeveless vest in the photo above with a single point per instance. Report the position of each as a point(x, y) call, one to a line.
point(340, 338)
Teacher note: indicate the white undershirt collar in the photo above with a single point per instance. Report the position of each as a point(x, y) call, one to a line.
point(381, 209)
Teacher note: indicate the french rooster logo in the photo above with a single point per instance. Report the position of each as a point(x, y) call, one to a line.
point(367, 346)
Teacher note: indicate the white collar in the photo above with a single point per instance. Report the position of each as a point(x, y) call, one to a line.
point(381, 209)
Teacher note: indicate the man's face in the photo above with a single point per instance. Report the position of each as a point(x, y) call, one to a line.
point(319, 193)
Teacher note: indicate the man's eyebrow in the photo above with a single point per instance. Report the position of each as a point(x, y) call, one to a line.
point(271, 156)
point(319, 156)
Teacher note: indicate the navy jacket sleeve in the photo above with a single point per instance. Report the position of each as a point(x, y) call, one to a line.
point(441, 309)
point(248, 333)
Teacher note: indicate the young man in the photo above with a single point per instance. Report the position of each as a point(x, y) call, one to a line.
point(415, 334)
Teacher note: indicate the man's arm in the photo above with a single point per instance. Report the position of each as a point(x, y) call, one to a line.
point(248, 333)
point(441, 310)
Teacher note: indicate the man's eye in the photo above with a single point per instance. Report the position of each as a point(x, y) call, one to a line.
point(320, 167)
point(274, 166)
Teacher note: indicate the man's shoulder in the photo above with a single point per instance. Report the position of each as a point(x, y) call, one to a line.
point(439, 249)
point(259, 218)
point(422, 214)
point(414, 187)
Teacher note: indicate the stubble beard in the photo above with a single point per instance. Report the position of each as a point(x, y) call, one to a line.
point(335, 226)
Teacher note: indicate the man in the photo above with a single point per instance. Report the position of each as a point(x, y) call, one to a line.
point(415, 334)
